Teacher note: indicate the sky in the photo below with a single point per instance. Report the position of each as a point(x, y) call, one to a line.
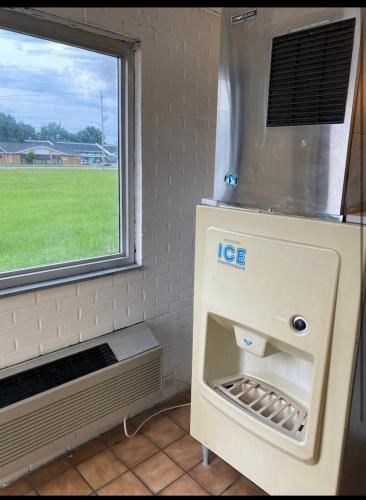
point(42, 81)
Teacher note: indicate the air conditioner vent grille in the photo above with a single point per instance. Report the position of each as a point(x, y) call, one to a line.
point(42, 378)
point(310, 74)
point(49, 422)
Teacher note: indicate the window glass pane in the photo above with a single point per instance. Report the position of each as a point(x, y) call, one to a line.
point(59, 187)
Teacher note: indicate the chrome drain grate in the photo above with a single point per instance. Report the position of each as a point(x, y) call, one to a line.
point(267, 403)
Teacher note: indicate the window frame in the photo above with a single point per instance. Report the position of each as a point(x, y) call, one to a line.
point(78, 35)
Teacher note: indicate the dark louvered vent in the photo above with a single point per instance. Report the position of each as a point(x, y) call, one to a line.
point(309, 75)
point(36, 380)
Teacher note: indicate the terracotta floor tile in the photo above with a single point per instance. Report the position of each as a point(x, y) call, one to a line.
point(181, 416)
point(49, 471)
point(216, 477)
point(101, 469)
point(135, 450)
point(244, 487)
point(86, 451)
point(158, 471)
point(113, 436)
point(184, 486)
point(162, 431)
point(19, 487)
point(127, 484)
point(186, 452)
point(69, 483)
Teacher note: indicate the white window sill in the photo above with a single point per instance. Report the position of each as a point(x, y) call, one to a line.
point(15, 290)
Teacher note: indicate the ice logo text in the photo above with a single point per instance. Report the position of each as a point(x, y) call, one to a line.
point(232, 255)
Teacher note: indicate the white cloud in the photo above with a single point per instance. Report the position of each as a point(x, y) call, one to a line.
point(54, 81)
point(53, 57)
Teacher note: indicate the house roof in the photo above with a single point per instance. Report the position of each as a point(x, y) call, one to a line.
point(111, 149)
point(83, 147)
point(66, 148)
point(15, 147)
point(38, 140)
point(23, 147)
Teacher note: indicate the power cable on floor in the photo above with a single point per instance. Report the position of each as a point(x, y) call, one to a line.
point(151, 416)
point(129, 436)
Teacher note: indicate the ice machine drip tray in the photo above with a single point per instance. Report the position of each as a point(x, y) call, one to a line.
point(266, 403)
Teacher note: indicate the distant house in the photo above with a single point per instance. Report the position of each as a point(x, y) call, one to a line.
point(56, 153)
point(89, 153)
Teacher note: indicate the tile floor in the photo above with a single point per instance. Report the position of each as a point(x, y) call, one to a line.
point(162, 459)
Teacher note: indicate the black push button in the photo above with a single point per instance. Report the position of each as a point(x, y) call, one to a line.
point(299, 324)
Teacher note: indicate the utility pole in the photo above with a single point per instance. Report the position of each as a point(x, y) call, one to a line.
point(102, 124)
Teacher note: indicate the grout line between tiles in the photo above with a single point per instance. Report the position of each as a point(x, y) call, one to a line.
point(170, 458)
point(72, 466)
point(110, 447)
point(65, 455)
point(196, 480)
point(84, 478)
point(184, 471)
point(155, 453)
point(202, 485)
point(143, 482)
point(159, 449)
point(231, 485)
point(129, 469)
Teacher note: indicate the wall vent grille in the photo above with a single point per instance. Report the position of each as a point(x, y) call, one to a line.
point(310, 74)
point(49, 422)
point(42, 378)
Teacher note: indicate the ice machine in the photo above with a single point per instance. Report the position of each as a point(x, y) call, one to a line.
point(278, 352)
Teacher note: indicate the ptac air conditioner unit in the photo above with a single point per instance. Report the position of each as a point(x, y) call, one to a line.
point(55, 402)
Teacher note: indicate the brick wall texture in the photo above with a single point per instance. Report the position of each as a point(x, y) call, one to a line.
point(179, 65)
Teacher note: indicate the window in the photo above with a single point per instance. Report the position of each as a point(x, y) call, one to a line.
point(66, 151)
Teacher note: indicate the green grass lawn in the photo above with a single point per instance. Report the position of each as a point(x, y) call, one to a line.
point(51, 216)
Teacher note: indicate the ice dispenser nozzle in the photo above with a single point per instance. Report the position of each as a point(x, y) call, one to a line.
point(250, 341)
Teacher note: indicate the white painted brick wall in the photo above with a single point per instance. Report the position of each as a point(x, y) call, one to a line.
point(179, 64)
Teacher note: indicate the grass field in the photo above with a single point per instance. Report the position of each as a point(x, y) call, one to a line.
point(51, 216)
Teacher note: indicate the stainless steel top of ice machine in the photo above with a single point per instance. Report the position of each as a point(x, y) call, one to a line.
point(287, 86)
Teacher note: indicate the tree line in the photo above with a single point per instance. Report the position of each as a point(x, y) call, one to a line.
point(12, 130)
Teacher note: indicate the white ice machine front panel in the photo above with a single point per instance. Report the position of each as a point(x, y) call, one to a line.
point(261, 286)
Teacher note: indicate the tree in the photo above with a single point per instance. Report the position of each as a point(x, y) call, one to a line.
point(89, 134)
point(25, 131)
point(30, 157)
point(13, 131)
point(54, 132)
